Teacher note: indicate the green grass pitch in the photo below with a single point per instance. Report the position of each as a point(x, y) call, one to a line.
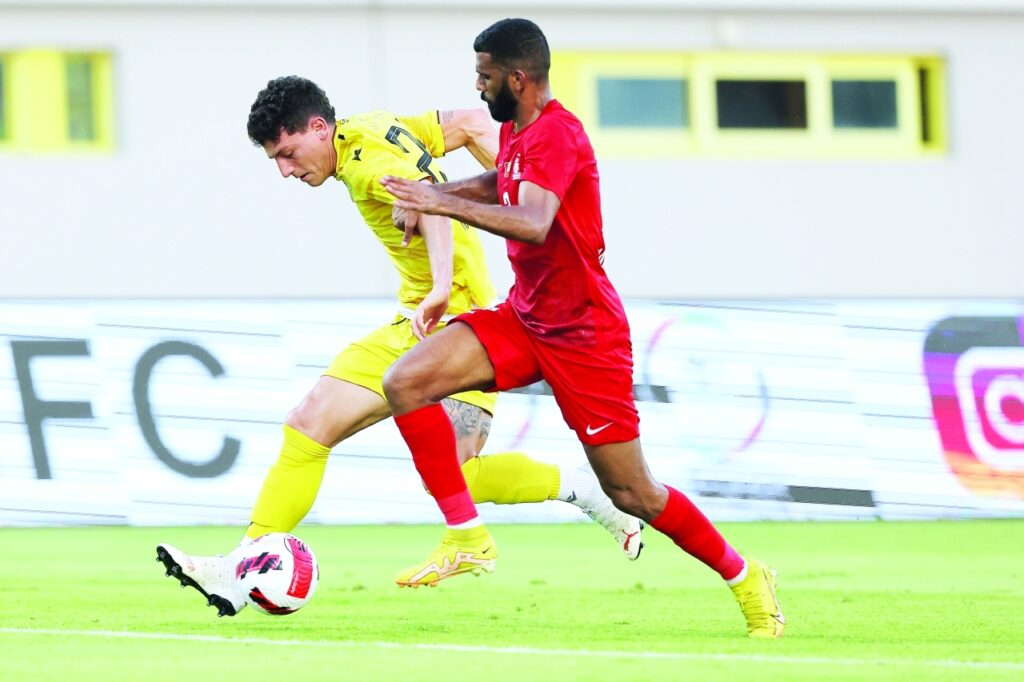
point(864, 601)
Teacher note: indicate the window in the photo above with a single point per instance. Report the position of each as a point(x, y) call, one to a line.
point(761, 104)
point(632, 104)
point(645, 105)
point(52, 101)
point(863, 104)
point(642, 102)
point(81, 110)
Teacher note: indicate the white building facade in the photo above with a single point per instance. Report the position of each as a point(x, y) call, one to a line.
point(177, 203)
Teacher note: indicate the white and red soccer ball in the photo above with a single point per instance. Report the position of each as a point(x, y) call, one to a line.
point(277, 573)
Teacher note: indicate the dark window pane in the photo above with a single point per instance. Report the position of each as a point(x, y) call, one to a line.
point(80, 104)
point(642, 102)
point(863, 104)
point(761, 104)
point(926, 115)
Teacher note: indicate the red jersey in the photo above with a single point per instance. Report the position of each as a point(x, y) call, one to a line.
point(561, 292)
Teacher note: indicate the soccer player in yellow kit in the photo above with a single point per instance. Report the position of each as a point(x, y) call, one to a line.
point(443, 274)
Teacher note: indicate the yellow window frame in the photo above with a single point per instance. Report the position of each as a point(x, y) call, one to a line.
point(933, 97)
point(728, 142)
point(38, 102)
point(902, 140)
point(575, 75)
point(5, 101)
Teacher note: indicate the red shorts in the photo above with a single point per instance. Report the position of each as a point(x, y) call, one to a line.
point(592, 386)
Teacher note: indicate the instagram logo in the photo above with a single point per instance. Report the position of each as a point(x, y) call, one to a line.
point(975, 372)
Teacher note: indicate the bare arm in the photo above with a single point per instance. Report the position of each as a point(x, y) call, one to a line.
point(481, 188)
point(437, 233)
point(529, 221)
point(472, 129)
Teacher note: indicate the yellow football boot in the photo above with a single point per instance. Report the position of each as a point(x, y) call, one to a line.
point(756, 596)
point(461, 551)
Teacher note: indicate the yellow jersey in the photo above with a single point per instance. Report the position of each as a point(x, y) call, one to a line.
point(379, 143)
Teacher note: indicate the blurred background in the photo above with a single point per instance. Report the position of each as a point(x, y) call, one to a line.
point(810, 207)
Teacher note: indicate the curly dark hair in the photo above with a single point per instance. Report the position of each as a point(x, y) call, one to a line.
point(516, 44)
point(286, 104)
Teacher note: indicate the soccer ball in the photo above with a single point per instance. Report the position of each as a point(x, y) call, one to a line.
point(277, 573)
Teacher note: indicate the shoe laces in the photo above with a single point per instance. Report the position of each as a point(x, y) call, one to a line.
point(753, 604)
point(757, 603)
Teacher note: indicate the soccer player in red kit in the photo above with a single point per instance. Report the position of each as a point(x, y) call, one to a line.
point(562, 322)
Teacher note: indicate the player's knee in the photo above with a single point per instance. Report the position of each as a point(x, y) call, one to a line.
point(392, 384)
point(306, 418)
point(298, 418)
point(400, 386)
point(315, 425)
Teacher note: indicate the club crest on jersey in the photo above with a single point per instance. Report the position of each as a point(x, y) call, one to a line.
point(508, 165)
point(515, 168)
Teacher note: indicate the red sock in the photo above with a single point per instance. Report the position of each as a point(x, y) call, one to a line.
point(431, 439)
point(691, 530)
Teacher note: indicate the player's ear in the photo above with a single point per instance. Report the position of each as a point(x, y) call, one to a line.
point(319, 126)
point(517, 79)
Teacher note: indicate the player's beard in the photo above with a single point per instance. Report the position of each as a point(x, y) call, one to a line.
point(503, 108)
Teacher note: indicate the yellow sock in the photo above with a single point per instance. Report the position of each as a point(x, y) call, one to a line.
point(510, 478)
point(291, 485)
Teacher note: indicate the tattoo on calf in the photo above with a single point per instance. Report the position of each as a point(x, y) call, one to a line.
point(467, 420)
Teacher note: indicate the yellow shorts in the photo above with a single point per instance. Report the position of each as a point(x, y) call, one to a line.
point(364, 361)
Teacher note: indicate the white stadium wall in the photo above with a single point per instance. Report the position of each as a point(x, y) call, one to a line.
point(186, 207)
point(117, 412)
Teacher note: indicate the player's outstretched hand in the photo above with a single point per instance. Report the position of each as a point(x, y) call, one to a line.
point(421, 197)
point(429, 312)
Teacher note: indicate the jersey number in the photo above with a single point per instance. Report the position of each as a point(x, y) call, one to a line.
point(394, 132)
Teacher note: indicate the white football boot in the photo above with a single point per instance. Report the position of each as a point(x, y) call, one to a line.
point(213, 576)
point(598, 506)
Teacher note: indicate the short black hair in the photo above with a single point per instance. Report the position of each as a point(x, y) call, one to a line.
point(516, 44)
point(286, 104)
